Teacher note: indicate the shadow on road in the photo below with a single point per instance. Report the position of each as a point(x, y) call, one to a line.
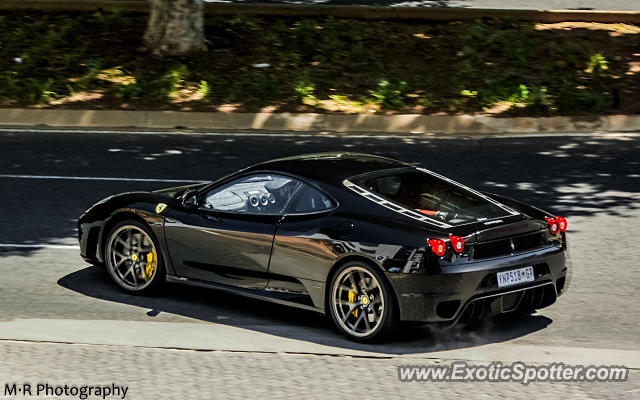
point(233, 310)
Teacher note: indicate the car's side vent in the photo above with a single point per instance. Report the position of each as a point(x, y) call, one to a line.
point(92, 242)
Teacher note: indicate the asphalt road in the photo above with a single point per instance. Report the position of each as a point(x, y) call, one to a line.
point(48, 295)
point(621, 5)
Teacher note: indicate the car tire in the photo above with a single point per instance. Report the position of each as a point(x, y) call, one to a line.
point(133, 258)
point(359, 319)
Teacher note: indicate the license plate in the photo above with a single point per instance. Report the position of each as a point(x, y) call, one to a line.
point(515, 277)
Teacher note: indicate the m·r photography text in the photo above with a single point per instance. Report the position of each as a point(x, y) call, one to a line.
point(81, 392)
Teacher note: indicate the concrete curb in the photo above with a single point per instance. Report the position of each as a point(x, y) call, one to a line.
point(330, 123)
point(340, 11)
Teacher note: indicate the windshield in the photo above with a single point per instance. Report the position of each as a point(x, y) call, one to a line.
point(432, 196)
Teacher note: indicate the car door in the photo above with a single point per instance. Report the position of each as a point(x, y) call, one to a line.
point(227, 237)
point(303, 244)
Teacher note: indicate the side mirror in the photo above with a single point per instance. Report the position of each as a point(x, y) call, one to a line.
point(190, 199)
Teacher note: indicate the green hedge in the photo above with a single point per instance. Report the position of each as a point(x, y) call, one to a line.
point(92, 60)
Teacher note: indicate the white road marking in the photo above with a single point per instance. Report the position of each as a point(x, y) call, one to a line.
point(178, 132)
point(39, 246)
point(97, 178)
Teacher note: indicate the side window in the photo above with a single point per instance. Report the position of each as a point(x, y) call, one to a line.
point(266, 194)
point(309, 200)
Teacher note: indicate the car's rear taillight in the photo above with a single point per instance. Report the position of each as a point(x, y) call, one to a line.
point(457, 243)
point(553, 225)
point(562, 223)
point(438, 247)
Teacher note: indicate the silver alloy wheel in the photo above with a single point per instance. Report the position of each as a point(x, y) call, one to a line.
point(358, 301)
point(132, 258)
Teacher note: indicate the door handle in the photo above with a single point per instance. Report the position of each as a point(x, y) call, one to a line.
point(212, 218)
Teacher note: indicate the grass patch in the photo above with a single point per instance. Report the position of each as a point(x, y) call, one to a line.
point(498, 67)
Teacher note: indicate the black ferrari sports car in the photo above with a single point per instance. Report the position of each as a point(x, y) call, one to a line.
point(365, 239)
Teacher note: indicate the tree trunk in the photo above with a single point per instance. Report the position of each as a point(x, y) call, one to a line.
point(175, 28)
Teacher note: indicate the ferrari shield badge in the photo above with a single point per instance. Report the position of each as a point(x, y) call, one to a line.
point(160, 208)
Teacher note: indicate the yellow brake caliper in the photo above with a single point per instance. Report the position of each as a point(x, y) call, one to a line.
point(352, 299)
point(151, 264)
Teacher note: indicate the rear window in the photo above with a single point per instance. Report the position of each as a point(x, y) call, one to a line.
point(432, 197)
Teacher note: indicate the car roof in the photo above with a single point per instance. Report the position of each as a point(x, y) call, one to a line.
point(332, 167)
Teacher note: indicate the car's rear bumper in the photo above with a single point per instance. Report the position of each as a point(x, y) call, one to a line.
point(464, 291)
